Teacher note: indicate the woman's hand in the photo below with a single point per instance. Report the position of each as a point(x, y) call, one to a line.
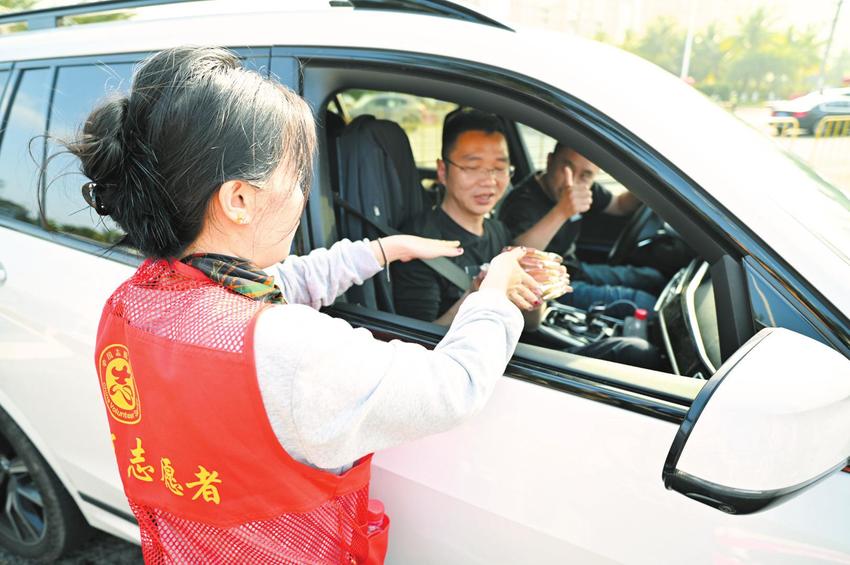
point(506, 275)
point(547, 269)
point(408, 247)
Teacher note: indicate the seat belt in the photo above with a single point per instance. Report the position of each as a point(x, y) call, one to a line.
point(441, 265)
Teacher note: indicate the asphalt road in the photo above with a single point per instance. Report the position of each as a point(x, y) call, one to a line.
point(100, 549)
point(827, 156)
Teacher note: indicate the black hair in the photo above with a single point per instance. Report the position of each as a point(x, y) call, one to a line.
point(560, 146)
point(194, 119)
point(462, 120)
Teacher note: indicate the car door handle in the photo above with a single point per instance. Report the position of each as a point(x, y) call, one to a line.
point(2, 274)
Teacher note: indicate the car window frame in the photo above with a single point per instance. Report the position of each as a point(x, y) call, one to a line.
point(576, 374)
point(694, 207)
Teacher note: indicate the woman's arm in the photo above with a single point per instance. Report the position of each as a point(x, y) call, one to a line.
point(319, 278)
point(324, 274)
point(334, 393)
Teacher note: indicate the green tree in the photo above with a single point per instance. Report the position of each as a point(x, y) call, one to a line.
point(708, 57)
point(839, 69)
point(769, 62)
point(97, 18)
point(662, 43)
point(14, 5)
point(799, 55)
point(19, 5)
point(755, 59)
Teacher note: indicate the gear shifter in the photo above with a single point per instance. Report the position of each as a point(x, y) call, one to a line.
point(595, 310)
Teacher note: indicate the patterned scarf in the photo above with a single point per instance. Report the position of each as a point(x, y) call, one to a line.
point(238, 275)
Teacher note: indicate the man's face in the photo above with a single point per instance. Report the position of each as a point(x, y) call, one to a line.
point(478, 174)
point(584, 172)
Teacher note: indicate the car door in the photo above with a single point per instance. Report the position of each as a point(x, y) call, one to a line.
point(564, 463)
point(48, 323)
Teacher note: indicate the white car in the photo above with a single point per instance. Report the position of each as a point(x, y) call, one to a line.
point(574, 460)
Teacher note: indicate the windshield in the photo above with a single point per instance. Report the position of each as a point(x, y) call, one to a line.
point(822, 207)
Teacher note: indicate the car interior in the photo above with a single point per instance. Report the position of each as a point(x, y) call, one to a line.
point(685, 326)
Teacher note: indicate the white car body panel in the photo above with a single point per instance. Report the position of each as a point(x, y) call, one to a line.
point(586, 489)
point(47, 382)
point(539, 476)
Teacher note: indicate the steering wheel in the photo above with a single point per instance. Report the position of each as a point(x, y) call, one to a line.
point(628, 239)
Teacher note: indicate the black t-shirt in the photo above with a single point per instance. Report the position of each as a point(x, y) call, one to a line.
point(527, 203)
point(418, 291)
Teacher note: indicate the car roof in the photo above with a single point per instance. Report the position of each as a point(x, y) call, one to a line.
point(735, 164)
point(814, 98)
point(840, 91)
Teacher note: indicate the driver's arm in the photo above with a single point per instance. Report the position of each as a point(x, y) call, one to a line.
point(526, 224)
point(540, 234)
point(623, 204)
point(448, 316)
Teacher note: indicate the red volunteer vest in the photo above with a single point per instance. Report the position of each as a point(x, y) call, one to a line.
point(204, 473)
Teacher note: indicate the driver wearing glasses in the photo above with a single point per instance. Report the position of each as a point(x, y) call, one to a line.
point(475, 169)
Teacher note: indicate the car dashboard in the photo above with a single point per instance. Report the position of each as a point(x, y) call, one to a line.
point(688, 322)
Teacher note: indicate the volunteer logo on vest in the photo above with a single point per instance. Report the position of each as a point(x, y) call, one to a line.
point(118, 385)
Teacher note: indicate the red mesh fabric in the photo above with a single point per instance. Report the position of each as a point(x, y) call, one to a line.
point(172, 305)
point(179, 306)
point(291, 539)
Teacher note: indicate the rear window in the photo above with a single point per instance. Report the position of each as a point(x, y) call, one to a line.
point(420, 117)
point(22, 146)
point(78, 90)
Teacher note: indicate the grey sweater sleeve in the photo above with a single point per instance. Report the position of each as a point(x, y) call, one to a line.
point(320, 277)
point(334, 393)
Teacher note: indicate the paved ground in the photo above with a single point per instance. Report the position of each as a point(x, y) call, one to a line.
point(827, 156)
point(101, 549)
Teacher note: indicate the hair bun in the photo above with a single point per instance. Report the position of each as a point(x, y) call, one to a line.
point(194, 119)
point(101, 148)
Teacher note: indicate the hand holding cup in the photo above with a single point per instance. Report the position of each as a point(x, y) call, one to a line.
point(547, 269)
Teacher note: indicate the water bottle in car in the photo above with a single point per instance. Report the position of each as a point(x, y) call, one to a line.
point(635, 326)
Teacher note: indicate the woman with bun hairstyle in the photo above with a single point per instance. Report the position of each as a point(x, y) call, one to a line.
point(243, 419)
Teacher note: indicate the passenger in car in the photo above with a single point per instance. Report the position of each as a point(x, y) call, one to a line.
point(475, 170)
point(214, 361)
point(546, 212)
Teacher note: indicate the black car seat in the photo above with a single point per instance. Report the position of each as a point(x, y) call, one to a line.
point(377, 178)
point(334, 124)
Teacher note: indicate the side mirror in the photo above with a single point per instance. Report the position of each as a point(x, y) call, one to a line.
point(773, 421)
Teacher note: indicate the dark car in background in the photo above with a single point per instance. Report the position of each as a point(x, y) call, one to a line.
point(811, 109)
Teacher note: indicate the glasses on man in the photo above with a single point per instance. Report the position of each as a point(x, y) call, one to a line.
point(482, 173)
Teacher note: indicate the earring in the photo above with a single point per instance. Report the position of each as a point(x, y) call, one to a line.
point(241, 219)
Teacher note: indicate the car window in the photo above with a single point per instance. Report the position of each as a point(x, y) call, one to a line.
point(78, 89)
point(23, 146)
point(773, 307)
point(538, 146)
point(419, 116)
